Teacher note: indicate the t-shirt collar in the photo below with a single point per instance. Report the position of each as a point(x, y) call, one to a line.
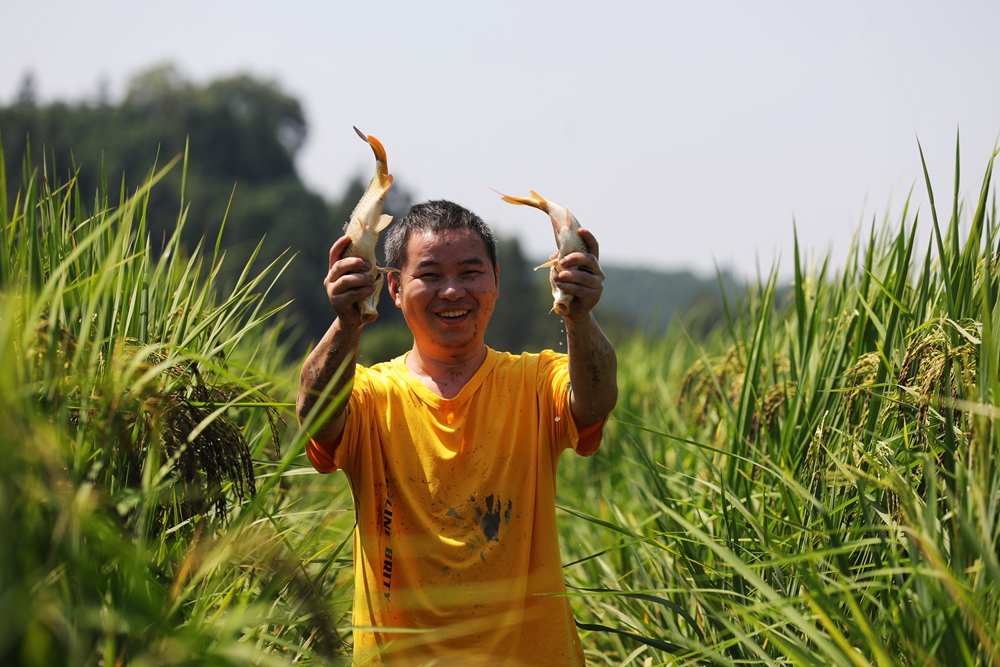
point(400, 368)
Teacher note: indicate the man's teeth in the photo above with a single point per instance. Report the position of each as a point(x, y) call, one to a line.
point(453, 313)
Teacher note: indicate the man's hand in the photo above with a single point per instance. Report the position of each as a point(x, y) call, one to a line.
point(347, 283)
point(580, 275)
point(592, 362)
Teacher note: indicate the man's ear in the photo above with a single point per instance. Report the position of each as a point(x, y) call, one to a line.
point(394, 292)
point(496, 278)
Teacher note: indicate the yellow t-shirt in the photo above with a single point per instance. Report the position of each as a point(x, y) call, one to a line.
point(456, 556)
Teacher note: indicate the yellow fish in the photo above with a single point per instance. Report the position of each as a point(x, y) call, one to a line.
point(365, 224)
point(567, 230)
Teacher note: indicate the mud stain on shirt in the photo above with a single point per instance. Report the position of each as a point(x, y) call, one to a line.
point(490, 520)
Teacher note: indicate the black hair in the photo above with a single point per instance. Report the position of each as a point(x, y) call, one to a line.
point(434, 216)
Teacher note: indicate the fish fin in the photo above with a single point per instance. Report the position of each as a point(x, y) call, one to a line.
point(537, 196)
point(387, 269)
point(551, 262)
point(383, 222)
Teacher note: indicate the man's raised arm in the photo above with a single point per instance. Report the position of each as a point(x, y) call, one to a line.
point(346, 284)
point(593, 365)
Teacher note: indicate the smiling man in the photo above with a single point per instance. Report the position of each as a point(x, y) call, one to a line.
point(451, 450)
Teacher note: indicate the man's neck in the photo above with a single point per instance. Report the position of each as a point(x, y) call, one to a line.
point(445, 376)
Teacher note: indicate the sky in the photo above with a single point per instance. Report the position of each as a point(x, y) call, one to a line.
point(685, 135)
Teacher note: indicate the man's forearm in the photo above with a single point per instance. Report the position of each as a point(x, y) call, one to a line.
point(339, 346)
point(593, 369)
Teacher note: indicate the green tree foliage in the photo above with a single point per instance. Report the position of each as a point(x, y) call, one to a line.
point(242, 131)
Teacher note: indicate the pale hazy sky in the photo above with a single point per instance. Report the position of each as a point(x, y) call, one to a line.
point(682, 134)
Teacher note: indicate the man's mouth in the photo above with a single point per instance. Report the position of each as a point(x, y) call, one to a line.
point(453, 314)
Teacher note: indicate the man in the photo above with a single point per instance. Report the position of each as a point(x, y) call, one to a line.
point(451, 450)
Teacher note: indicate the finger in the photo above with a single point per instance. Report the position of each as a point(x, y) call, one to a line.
point(346, 267)
point(582, 262)
point(347, 298)
point(587, 296)
point(339, 282)
point(337, 251)
point(591, 241)
point(583, 279)
point(343, 297)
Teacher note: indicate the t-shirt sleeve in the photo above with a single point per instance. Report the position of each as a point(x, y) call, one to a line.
point(553, 382)
point(346, 452)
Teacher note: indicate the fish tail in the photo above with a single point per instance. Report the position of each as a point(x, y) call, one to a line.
point(382, 166)
point(535, 195)
point(379, 151)
point(535, 200)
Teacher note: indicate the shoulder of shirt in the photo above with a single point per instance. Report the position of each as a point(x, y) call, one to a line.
point(382, 366)
point(380, 372)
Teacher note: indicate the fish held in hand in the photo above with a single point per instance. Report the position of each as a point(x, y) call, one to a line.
point(567, 231)
point(365, 224)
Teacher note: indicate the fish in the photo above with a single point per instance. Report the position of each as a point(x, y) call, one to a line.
point(367, 220)
point(567, 231)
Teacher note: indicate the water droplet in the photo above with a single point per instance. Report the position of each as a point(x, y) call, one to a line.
point(558, 418)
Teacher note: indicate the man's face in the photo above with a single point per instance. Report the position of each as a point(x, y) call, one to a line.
point(447, 290)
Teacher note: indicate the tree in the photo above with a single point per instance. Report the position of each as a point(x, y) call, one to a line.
point(241, 131)
point(244, 132)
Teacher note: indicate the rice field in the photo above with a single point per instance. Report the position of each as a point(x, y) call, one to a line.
point(815, 483)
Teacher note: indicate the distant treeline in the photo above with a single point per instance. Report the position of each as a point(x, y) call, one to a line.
point(245, 132)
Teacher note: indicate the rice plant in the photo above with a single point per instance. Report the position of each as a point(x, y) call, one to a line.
point(815, 484)
point(818, 484)
point(145, 458)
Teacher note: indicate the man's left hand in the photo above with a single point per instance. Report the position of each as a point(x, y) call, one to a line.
point(580, 275)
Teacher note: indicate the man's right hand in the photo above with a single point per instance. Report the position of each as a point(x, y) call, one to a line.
point(347, 283)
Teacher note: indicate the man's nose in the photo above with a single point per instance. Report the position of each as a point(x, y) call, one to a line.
point(451, 289)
